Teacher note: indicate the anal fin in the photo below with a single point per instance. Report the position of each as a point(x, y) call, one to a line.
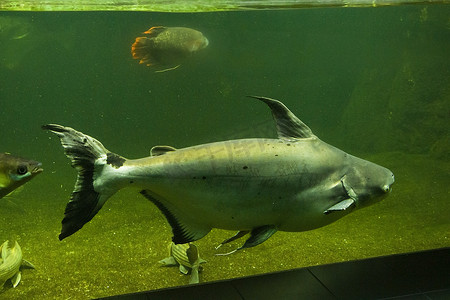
point(185, 228)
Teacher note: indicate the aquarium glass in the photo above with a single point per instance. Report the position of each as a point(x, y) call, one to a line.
point(374, 82)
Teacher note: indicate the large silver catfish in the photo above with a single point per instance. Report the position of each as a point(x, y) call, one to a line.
point(293, 183)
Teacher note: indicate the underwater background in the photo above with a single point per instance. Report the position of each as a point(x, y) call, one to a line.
point(374, 82)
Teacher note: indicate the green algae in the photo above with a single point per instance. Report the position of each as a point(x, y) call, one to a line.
point(191, 5)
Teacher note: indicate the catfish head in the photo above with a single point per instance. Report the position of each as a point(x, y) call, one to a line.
point(367, 183)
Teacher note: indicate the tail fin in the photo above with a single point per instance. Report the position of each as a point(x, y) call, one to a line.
point(89, 157)
point(141, 49)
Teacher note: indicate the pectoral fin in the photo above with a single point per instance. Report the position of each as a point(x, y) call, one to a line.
point(27, 264)
point(340, 206)
point(168, 261)
point(348, 189)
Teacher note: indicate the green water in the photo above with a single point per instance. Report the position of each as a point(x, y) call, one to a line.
point(373, 82)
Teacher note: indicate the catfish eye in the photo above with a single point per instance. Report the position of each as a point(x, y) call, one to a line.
point(22, 170)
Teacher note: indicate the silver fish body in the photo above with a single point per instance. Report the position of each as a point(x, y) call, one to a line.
point(11, 263)
point(294, 183)
point(238, 184)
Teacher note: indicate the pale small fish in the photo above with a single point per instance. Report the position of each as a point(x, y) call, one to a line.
point(292, 183)
point(187, 257)
point(16, 171)
point(11, 263)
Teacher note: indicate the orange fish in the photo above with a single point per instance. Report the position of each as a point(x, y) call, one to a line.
point(166, 47)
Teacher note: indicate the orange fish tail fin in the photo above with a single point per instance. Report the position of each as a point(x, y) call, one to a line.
point(141, 49)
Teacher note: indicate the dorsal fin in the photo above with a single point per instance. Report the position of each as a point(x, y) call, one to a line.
point(155, 30)
point(288, 125)
point(4, 250)
point(160, 150)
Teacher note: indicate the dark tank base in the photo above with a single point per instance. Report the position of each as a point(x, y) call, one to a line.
point(417, 275)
